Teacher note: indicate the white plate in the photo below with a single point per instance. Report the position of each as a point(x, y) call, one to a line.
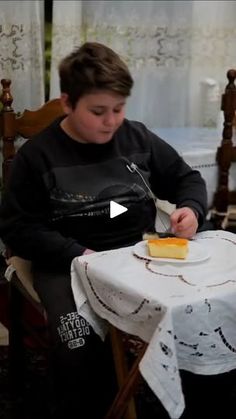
point(196, 253)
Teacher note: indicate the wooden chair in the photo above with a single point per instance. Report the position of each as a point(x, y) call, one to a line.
point(224, 208)
point(21, 289)
point(22, 296)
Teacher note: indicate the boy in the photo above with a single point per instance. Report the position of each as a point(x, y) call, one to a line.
point(57, 205)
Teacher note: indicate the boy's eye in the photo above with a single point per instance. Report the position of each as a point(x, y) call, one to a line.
point(97, 112)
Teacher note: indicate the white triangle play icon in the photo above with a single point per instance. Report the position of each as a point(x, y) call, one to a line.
point(116, 209)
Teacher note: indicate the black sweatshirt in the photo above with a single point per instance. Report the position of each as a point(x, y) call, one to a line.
point(57, 200)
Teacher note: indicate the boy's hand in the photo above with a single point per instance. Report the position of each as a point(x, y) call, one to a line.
point(184, 222)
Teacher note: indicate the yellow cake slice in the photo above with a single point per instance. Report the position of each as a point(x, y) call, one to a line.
point(171, 247)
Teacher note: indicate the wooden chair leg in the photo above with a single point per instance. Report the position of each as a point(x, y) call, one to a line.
point(17, 361)
point(123, 405)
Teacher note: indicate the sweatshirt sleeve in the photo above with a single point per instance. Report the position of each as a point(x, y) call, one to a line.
point(174, 180)
point(24, 215)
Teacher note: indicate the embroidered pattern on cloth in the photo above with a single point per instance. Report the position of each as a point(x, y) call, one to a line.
point(181, 277)
point(106, 306)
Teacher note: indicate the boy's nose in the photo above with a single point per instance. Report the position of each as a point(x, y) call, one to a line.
point(109, 120)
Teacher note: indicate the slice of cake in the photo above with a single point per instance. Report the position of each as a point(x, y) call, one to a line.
point(171, 247)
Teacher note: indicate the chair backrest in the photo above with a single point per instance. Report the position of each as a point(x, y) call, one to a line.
point(226, 153)
point(25, 124)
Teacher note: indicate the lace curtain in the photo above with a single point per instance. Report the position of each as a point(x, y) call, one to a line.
point(178, 52)
point(22, 50)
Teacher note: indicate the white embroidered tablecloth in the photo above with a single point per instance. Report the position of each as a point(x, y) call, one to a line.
point(186, 312)
point(198, 147)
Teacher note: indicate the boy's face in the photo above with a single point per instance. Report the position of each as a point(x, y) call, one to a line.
point(95, 118)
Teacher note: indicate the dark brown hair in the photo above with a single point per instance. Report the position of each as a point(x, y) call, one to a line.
point(93, 66)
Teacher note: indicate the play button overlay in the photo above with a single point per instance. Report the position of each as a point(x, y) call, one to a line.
point(116, 209)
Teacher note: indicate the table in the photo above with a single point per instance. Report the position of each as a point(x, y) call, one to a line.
point(198, 146)
point(185, 312)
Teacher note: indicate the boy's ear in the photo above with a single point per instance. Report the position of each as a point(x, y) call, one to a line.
point(65, 103)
